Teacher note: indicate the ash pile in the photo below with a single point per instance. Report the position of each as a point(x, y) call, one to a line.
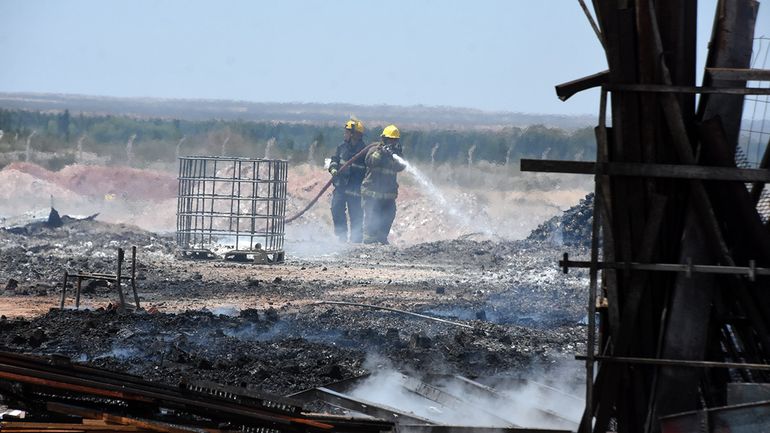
point(513, 314)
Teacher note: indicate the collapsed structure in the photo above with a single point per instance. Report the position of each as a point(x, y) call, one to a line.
point(680, 284)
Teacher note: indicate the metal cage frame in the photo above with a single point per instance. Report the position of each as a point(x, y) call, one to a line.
point(232, 208)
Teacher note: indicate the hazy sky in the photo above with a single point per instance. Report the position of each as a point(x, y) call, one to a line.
point(490, 54)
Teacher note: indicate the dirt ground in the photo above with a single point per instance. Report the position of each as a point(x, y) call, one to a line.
point(267, 328)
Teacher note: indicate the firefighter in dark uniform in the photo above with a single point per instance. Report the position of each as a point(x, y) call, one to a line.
point(347, 183)
point(380, 187)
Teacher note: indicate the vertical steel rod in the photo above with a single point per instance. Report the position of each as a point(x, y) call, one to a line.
point(63, 290)
point(122, 306)
point(77, 293)
point(133, 276)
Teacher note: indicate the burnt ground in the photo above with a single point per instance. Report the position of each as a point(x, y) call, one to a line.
point(261, 327)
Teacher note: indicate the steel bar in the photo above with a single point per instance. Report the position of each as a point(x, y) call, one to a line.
point(63, 290)
point(394, 310)
point(118, 287)
point(630, 169)
point(676, 362)
point(368, 407)
point(21, 426)
point(121, 380)
point(133, 275)
point(662, 88)
point(422, 428)
point(77, 295)
point(103, 277)
point(450, 401)
point(749, 271)
point(127, 392)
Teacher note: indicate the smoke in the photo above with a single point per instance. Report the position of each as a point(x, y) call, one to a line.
point(80, 147)
point(311, 152)
point(179, 146)
point(1, 134)
point(433, 154)
point(269, 148)
point(130, 149)
point(545, 399)
point(307, 241)
point(509, 152)
point(224, 145)
point(470, 155)
point(28, 148)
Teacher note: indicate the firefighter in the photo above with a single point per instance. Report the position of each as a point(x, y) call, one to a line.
point(380, 187)
point(347, 183)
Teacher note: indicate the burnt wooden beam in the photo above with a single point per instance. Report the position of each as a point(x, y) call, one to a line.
point(667, 88)
point(632, 169)
point(739, 74)
point(565, 90)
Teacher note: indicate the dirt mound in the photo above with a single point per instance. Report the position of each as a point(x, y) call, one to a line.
point(98, 181)
point(32, 189)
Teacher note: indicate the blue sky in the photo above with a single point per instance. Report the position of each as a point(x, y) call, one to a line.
point(503, 55)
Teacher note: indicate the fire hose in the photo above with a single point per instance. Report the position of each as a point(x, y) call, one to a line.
point(329, 183)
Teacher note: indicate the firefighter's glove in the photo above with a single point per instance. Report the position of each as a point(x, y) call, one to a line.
point(333, 171)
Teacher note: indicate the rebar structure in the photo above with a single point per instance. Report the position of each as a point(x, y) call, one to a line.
point(680, 279)
point(232, 208)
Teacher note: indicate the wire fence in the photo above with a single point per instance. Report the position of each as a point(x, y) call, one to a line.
point(755, 125)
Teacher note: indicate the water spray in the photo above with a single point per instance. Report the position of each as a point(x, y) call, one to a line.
point(436, 195)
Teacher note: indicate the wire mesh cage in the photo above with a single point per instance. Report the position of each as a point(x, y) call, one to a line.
point(755, 127)
point(231, 208)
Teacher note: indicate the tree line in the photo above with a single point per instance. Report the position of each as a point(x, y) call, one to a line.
point(164, 139)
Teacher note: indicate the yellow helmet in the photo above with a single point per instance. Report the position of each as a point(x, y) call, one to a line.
point(355, 125)
point(390, 131)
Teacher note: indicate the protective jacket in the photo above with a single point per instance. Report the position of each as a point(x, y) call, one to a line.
point(350, 179)
point(381, 170)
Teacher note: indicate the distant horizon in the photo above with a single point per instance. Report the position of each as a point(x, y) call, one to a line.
point(193, 99)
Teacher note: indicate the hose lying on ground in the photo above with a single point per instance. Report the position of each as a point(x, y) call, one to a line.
point(328, 184)
point(394, 310)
